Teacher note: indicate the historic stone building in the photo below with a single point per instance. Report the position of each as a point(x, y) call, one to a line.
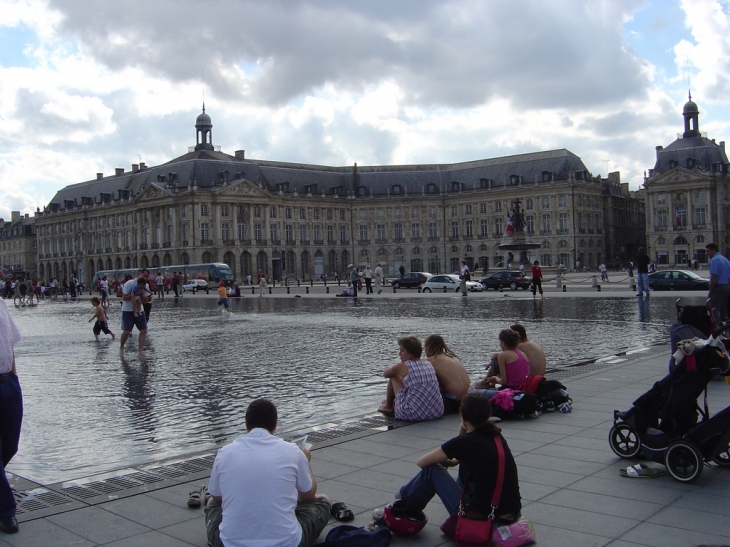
point(300, 220)
point(623, 211)
point(18, 245)
point(687, 200)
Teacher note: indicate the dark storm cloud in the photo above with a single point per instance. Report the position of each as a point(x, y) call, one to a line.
point(442, 53)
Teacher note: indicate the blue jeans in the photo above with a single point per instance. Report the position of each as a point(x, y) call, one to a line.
point(642, 283)
point(431, 480)
point(11, 416)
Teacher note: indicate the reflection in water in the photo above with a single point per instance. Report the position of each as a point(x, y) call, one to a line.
point(319, 359)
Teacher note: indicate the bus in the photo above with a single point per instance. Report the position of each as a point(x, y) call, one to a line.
point(212, 272)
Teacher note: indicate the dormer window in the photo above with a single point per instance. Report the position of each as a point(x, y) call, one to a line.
point(514, 179)
point(673, 164)
point(361, 191)
point(431, 188)
point(397, 189)
point(455, 186)
point(483, 183)
point(690, 163)
point(547, 176)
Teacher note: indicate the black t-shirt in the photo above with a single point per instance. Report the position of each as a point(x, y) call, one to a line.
point(477, 453)
point(642, 263)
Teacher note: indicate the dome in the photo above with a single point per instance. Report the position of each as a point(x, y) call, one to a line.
point(689, 108)
point(203, 119)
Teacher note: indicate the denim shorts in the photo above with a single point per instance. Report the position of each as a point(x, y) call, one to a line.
point(129, 321)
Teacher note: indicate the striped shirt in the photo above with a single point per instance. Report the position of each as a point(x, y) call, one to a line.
point(420, 398)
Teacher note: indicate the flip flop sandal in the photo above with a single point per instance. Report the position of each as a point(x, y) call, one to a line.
point(640, 471)
point(341, 512)
point(194, 498)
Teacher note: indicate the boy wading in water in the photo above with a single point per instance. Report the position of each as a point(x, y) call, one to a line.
point(101, 319)
point(137, 294)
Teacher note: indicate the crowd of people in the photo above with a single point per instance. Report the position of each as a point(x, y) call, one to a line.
point(26, 290)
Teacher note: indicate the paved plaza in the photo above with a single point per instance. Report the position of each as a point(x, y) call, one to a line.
point(569, 480)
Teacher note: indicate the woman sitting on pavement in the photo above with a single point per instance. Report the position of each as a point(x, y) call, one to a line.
point(413, 391)
point(349, 290)
point(514, 367)
point(474, 451)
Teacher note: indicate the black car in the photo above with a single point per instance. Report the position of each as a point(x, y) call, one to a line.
point(410, 281)
point(511, 280)
point(678, 280)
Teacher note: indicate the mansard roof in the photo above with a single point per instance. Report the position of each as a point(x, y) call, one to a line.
point(694, 153)
point(209, 170)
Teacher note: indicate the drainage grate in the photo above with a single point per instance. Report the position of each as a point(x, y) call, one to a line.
point(40, 502)
point(349, 428)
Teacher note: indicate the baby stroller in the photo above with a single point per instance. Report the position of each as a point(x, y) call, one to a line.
point(662, 423)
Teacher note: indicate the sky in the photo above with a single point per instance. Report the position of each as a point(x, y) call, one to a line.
point(88, 86)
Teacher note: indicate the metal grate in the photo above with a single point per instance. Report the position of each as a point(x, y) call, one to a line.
point(40, 502)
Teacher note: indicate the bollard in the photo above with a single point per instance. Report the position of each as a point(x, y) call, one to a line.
point(286, 282)
point(393, 289)
point(565, 287)
point(325, 282)
point(253, 290)
point(297, 282)
point(311, 282)
point(288, 289)
point(269, 290)
point(632, 283)
point(338, 282)
point(419, 290)
point(444, 289)
point(327, 288)
point(594, 282)
point(307, 289)
point(598, 288)
point(501, 289)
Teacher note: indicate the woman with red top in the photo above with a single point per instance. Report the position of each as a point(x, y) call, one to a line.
point(537, 280)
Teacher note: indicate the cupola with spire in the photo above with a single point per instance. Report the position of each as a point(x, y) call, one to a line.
point(691, 119)
point(203, 132)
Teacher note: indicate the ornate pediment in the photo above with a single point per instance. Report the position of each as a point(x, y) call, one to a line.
point(243, 188)
point(675, 175)
point(152, 192)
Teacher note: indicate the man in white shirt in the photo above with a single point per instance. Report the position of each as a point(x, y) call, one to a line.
point(379, 278)
point(11, 416)
point(129, 320)
point(263, 491)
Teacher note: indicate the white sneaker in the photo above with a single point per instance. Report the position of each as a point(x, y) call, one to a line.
point(378, 513)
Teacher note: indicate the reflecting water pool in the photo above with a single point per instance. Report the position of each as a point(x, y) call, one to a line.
point(320, 359)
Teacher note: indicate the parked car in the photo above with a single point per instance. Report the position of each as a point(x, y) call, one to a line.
point(410, 280)
point(678, 280)
point(507, 280)
point(195, 285)
point(451, 282)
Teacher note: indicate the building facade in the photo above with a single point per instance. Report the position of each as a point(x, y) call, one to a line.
point(18, 242)
point(623, 212)
point(299, 221)
point(687, 200)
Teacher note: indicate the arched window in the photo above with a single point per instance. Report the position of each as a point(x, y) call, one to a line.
point(454, 249)
point(467, 249)
point(433, 250)
point(416, 251)
point(680, 241)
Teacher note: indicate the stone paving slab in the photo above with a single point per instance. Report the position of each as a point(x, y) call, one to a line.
point(569, 481)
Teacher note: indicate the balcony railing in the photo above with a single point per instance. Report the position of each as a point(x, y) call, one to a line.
point(142, 247)
point(244, 242)
point(291, 242)
point(261, 242)
point(363, 242)
point(155, 245)
point(206, 242)
point(318, 242)
point(304, 242)
point(660, 228)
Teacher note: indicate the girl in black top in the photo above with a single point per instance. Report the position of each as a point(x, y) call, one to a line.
point(475, 452)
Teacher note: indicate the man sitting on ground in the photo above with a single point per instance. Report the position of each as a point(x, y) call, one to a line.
point(532, 351)
point(413, 390)
point(452, 376)
point(262, 488)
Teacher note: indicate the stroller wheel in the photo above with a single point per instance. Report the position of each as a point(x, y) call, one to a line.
point(624, 441)
point(722, 459)
point(684, 461)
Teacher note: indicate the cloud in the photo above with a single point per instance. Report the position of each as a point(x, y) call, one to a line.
point(440, 53)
